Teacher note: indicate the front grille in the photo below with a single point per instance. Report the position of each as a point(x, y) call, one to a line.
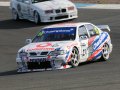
point(33, 53)
point(38, 53)
point(44, 53)
point(61, 17)
point(39, 65)
point(60, 10)
point(63, 10)
point(57, 11)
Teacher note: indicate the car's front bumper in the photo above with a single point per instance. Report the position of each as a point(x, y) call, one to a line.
point(59, 17)
point(38, 64)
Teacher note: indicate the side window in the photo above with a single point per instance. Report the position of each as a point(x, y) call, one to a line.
point(82, 31)
point(93, 31)
point(26, 1)
point(19, 0)
point(35, 1)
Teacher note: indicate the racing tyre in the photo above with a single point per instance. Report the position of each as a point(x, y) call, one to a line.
point(37, 18)
point(105, 52)
point(15, 15)
point(74, 58)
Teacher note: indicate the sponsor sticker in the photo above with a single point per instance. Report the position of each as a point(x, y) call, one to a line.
point(43, 49)
point(62, 30)
point(99, 41)
point(44, 45)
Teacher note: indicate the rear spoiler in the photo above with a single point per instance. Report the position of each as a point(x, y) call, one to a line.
point(103, 27)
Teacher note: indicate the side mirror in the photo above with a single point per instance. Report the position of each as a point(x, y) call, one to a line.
point(83, 37)
point(28, 41)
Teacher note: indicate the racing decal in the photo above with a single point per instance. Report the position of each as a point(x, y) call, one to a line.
point(44, 45)
point(97, 52)
point(97, 45)
point(100, 40)
point(60, 30)
point(91, 40)
point(94, 54)
point(106, 41)
point(68, 55)
point(43, 49)
point(68, 60)
point(98, 56)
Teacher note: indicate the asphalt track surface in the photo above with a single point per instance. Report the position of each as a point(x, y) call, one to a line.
point(88, 76)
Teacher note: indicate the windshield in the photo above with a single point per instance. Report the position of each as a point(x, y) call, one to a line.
point(56, 34)
point(36, 1)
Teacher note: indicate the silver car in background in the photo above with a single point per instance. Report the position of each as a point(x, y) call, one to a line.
point(43, 10)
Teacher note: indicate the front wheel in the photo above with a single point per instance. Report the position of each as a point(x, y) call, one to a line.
point(36, 18)
point(74, 58)
point(15, 15)
point(105, 52)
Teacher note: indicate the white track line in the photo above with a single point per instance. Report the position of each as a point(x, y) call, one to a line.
point(4, 3)
point(103, 6)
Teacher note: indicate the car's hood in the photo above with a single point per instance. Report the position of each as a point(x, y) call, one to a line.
point(48, 46)
point(53, 4)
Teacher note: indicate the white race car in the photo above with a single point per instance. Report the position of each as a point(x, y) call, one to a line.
point(43, 10)
point(63, 46)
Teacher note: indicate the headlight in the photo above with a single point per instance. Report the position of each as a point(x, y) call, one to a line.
point(48, 11)
point(22, 55)
point(60, 52)
point(71, 8)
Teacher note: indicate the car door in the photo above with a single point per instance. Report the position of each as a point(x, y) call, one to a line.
point(25, 8)
point(83, 38)
point(93, 35)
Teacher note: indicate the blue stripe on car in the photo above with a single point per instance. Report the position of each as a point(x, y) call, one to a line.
point(100, 40)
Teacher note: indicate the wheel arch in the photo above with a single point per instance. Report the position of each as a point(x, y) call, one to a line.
point(76, 48)
point(102, 57)
point(36, 11)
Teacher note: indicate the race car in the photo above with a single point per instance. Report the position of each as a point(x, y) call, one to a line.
point(63, 46)
point(43, 10)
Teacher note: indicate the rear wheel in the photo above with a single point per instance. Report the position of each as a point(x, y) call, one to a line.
point(105, 52)
point(15, 15)
point(74, 58)
point(36, 18)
